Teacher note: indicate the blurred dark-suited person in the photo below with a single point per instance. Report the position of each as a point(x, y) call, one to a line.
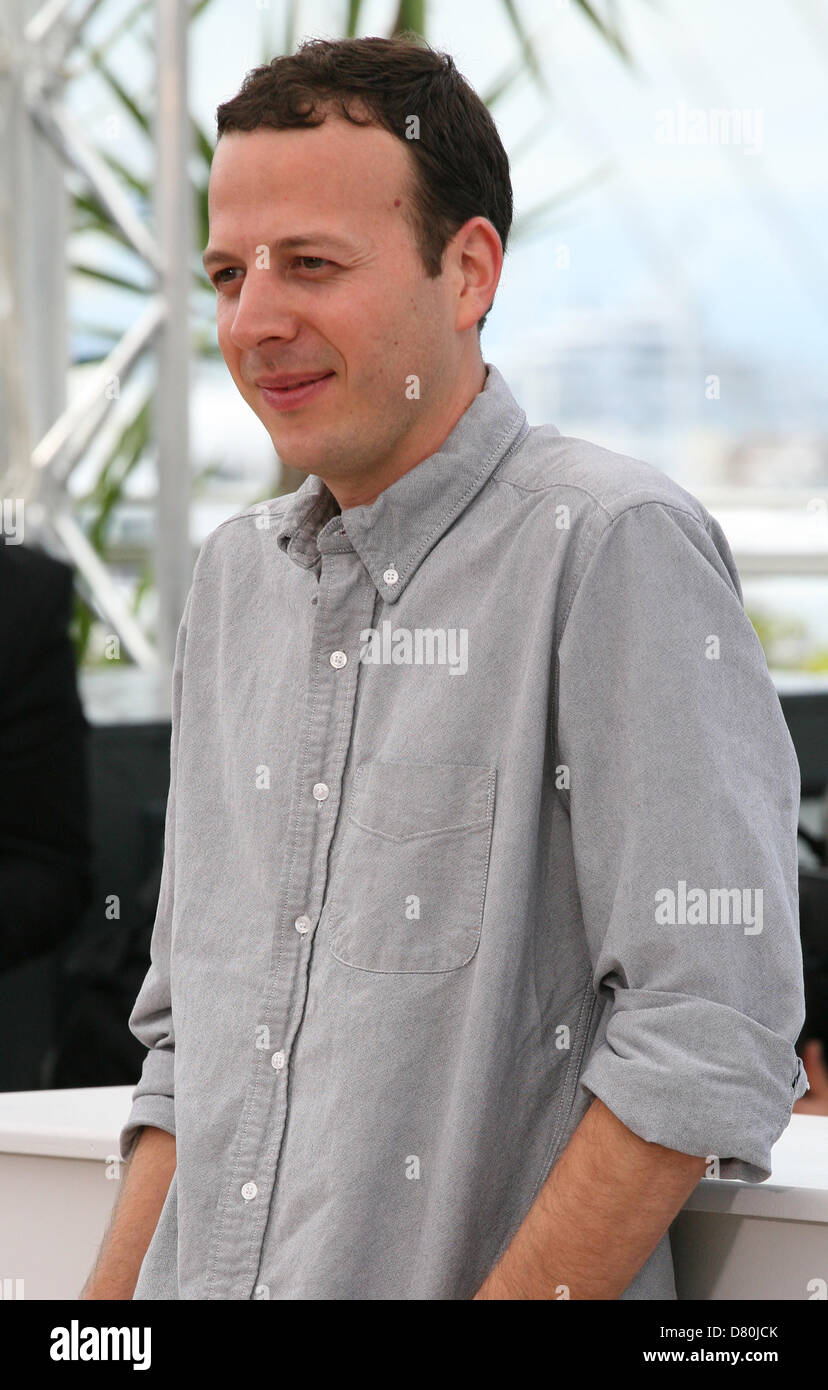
point(813, 929)
point(45, 848)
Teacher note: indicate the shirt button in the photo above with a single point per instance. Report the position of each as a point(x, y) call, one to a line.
point(277, 1061)
point(249, 1191)
point(320, 791)
point(302, 924)
point(390, 576)
point(338, 659)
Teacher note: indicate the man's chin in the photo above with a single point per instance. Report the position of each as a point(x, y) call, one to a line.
point(304, 456)
point(300, 465)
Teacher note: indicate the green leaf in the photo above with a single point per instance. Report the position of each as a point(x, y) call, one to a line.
point(410, 19)
point(525, 42)
point(507, 79)
point(91, 57)
point(108, 490)
point(138, 185)
point(608, 34)
point(108, 277)
point(352, 22)
point(121, 93)
point(96, 218)
point(202, 143)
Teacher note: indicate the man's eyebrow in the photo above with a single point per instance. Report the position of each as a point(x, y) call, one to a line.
point(288, 243)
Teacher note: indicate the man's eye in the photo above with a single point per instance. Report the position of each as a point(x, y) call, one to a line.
point(310, 263)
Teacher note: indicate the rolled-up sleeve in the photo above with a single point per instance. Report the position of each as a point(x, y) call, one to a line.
point(683, 800)
point(151, 1020)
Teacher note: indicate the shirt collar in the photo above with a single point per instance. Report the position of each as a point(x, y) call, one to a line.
point(394, 533)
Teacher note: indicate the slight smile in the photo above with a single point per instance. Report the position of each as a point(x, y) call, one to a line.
point(289, 397)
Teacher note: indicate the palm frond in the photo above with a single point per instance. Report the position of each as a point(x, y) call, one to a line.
point(609, 33)
point(107, 277)
point(504, 82)
point(527, 51)
point(352, 22)
point(95, 57)
point(410, 18)
point(117, 87)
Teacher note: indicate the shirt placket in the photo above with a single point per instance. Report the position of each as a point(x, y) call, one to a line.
point(346, 598)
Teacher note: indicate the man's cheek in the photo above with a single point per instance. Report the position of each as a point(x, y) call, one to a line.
point(230, 354)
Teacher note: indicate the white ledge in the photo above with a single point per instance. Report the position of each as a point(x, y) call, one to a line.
point(86, 1124)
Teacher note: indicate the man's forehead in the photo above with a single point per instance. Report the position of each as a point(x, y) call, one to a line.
point(337, 184)
point(314, 154)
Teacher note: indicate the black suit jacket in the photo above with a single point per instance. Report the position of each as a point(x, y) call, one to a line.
point(45, 849)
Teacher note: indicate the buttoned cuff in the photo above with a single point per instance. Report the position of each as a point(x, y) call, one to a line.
point(152, 1100)
point(697, 1076)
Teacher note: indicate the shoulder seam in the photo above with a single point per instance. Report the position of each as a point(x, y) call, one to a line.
point(576, 487)
point(547, 487)
point(279, 504)
point(240, 516)
point(275, 510)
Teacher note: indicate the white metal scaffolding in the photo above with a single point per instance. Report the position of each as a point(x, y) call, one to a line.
point(43, 437)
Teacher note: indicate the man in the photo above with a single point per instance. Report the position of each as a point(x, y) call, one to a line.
point(45, 842)
point(466, 731)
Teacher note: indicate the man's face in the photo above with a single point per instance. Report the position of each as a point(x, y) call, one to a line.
point(349, 296)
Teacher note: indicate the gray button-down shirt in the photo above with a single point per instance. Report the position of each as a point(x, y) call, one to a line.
point(482, 804)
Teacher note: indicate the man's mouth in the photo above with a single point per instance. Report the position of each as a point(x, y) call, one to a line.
point(285, 391)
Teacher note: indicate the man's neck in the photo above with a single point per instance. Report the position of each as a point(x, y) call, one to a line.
point(361, 492)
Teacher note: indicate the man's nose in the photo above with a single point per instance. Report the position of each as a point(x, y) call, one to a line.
point(263, 311)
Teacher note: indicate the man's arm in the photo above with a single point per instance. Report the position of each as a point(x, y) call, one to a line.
point(599, 1215)
point(144, 1188)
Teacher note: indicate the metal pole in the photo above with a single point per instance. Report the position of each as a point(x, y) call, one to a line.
point(174, 228)
point(35, 209)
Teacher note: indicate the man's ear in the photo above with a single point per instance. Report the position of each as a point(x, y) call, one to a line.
point(479, 256)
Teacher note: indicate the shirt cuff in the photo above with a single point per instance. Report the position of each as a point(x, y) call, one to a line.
point(698, 1077)
point(153, 1102)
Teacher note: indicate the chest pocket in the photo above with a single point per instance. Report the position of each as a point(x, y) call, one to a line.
point(408, 888)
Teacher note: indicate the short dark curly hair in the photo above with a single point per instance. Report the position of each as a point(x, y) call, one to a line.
point(460, 168)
